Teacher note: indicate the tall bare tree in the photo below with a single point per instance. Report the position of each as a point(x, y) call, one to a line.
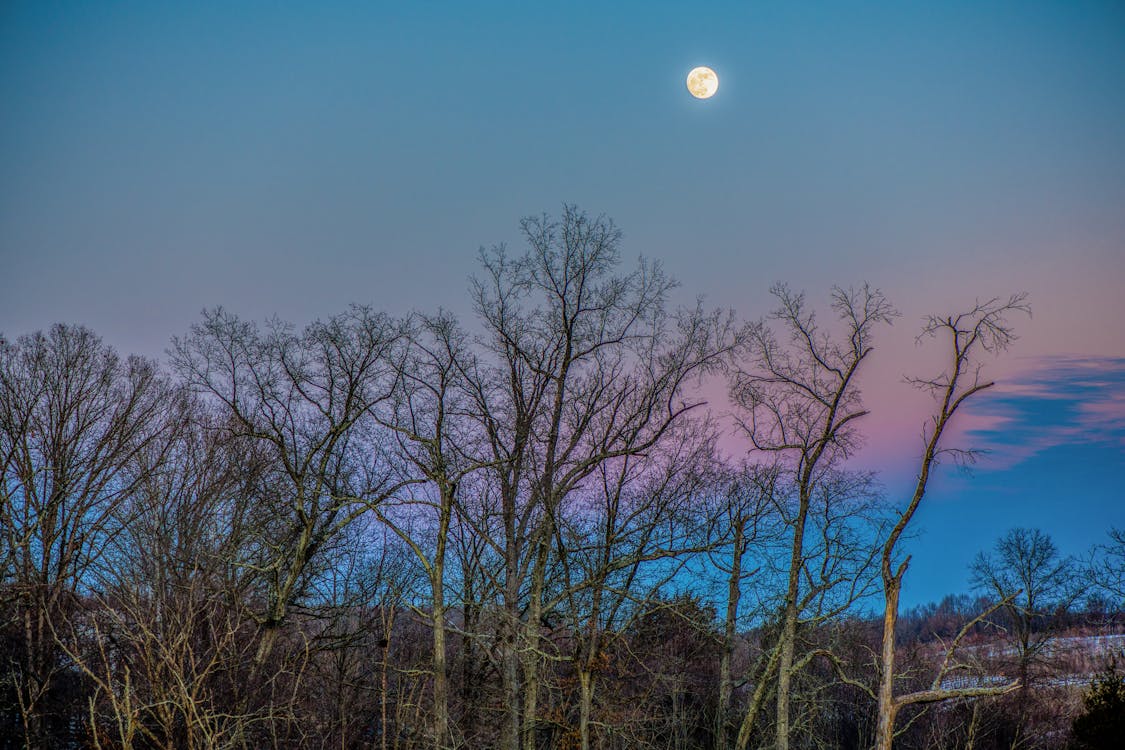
point(428, 414)
point(837, 570)
point(585, 366)
point(163, 635)
point(983, 330)
point(800, 402)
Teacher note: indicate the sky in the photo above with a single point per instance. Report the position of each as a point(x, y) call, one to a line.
point(290, 159)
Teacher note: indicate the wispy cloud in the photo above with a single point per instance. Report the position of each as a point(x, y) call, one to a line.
point(1056, 401)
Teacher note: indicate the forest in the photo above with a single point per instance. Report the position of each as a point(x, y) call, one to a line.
point(526, 529)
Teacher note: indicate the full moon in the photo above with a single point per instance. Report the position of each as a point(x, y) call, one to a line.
point(702, 83)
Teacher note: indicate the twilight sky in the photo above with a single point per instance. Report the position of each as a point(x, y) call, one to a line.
point(159, 158)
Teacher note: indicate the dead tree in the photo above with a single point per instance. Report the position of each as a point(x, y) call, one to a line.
point(983, 330)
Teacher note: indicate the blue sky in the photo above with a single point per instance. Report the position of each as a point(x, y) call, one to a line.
point(1053, 435)
point(157, 158)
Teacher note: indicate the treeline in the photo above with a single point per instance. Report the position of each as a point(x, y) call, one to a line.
point(405, 532)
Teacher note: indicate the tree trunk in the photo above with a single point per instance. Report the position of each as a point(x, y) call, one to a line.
point(388, 632)
point(971, 740)
point(585, 706)
point(471, 688)
point(441, 680)
point(734, 590)
point(510, 665)
point(534, 615)
point(437, 586)
point(758, 699)
point(510, 732)
point(530, 662)
point(510, 639)
point(885, 731)
point(789, 626)
point(29, 691)
point(784, 679)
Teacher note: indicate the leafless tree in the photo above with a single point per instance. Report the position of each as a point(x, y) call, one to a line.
point(1027, 573)
point(73, 418)
point(620, 542)
point(1107, 569)
point(306, 402)
point(428, 414)
point(836, 569)
point(356, 679)
point(983, 330)
point(745, 518)
point(584, 366)
point(474, 573)
point(800, 402)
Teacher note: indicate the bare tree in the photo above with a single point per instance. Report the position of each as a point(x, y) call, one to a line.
point(1026, 572)
point(585, 367)
point(73, 418)
point(358, 670)
point(836, 570)
point(745, 518)
point(1107, 569)
point(170, 631)
point(980, 331)
point(800, 400)
point(305, 401)
point(621, 542)
point(428, 415)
